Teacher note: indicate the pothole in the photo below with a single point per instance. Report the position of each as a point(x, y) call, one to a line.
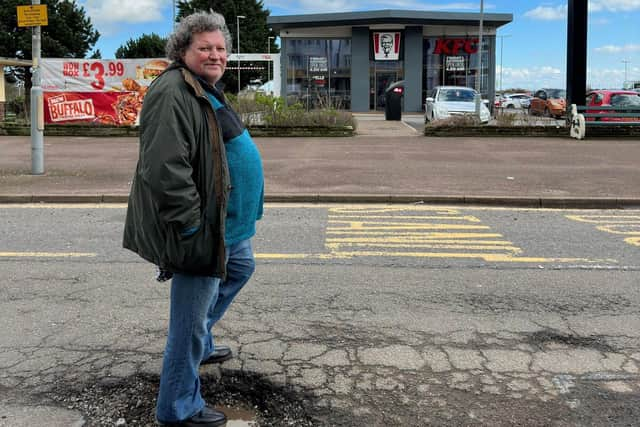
point(545, 337)
point(246, 399)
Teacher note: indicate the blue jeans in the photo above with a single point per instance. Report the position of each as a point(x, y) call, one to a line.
point(197, 303)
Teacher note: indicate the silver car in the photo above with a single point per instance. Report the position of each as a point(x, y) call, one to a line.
point(446, 101)
point(516, 100)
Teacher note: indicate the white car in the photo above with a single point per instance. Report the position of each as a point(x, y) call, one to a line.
point(516, 100)
point(446, 101)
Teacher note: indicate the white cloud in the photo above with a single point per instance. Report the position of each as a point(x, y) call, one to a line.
point(609, 78)
point(618, 49)
point(125, 11)
point(614, 5)
point(548, 13)
point(531, 78)
point(547, 76)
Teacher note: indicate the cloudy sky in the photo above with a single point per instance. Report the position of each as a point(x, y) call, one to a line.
point(533, 45)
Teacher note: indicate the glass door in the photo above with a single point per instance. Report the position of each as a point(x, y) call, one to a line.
point(383, 73)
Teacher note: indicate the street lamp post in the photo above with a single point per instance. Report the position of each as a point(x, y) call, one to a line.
point(479, 73)
point(269, 54)
point(238, 17)
point(625, 62)
point(501, 46)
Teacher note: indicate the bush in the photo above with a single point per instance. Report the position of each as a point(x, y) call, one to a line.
point(256, 108)
point(456, 121)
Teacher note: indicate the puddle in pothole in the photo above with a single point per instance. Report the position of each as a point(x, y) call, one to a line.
point(239, 416)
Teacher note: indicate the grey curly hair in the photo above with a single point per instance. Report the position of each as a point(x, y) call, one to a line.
point(198, 22)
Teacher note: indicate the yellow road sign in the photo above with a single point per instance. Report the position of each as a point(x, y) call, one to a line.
point(32, 15)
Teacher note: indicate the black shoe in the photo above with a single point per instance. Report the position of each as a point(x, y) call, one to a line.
point(207, 417)
point(220, 354)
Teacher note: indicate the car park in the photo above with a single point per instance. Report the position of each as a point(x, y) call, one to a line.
point(444, 102)
point(549, 103)
point(612, 98)
point(515, 100)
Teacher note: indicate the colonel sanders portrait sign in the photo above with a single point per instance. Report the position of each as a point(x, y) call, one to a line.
point(386, 46)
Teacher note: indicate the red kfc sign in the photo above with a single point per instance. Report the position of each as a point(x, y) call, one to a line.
point(453, 46)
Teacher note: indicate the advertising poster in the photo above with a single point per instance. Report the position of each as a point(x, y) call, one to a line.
point(97, 91)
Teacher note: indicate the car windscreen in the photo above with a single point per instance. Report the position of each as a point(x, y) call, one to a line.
point(456, 95)
point(556, 93)
point(625, 100)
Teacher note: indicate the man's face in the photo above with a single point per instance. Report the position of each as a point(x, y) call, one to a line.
point(206, 56)
point(387, 43)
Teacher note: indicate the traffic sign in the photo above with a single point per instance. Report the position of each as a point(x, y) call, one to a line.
point(32, 15)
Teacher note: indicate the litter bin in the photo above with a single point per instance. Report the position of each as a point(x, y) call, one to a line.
point(393, 101)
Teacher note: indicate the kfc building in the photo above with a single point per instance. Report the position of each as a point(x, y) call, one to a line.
point(350, 58)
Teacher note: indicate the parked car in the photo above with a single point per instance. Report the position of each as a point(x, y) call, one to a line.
point(516, 100)
point(445, 101)
point(613, 98)
point(549, 103)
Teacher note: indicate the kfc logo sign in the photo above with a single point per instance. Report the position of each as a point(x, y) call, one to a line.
point(454, 46)
point(386, 46)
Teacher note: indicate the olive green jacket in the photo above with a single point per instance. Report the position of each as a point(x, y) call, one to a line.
point(181, 179)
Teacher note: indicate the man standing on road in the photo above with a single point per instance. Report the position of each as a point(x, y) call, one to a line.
point(196, 195)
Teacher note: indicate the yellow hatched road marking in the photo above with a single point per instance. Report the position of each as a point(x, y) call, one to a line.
point(365, 229)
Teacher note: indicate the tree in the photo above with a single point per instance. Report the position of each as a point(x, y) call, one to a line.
point(69, 33)
point(254, 32)
point(146, 46)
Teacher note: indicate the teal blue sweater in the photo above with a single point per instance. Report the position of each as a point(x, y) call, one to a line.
point(245, 169)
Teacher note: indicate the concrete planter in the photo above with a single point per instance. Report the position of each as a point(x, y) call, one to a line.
point(493, 131)
point(123, 131)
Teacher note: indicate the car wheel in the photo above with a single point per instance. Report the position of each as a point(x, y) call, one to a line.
point(547, 113)
point(511, 106)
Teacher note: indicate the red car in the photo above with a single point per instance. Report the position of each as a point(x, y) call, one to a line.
point(612, 98)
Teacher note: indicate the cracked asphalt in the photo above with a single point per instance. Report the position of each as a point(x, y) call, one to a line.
point(347, 342)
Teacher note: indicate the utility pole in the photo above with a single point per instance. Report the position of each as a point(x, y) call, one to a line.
point(625, 62)
point(37, 110)
point(501, 48)
point(269, 54)
point(238, 17)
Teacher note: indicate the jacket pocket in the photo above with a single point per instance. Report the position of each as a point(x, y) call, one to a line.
point(193, 254)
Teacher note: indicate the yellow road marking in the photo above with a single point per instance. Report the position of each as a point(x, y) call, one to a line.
point(613, 229)
point(47, 255)
point(485, 257)
point(633, 241)
point(469, 218)
point(400, 226)
point(624, 225)
point(609, 219)
point(336, 246)
point(64, 206)
point(432, 235)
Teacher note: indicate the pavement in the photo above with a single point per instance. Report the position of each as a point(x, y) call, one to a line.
point(388, 161)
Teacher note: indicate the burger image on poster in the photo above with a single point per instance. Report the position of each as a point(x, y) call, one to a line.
point(151, 69)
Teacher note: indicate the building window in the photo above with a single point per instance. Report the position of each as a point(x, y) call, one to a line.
point(319, 72)
point(453, 61)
